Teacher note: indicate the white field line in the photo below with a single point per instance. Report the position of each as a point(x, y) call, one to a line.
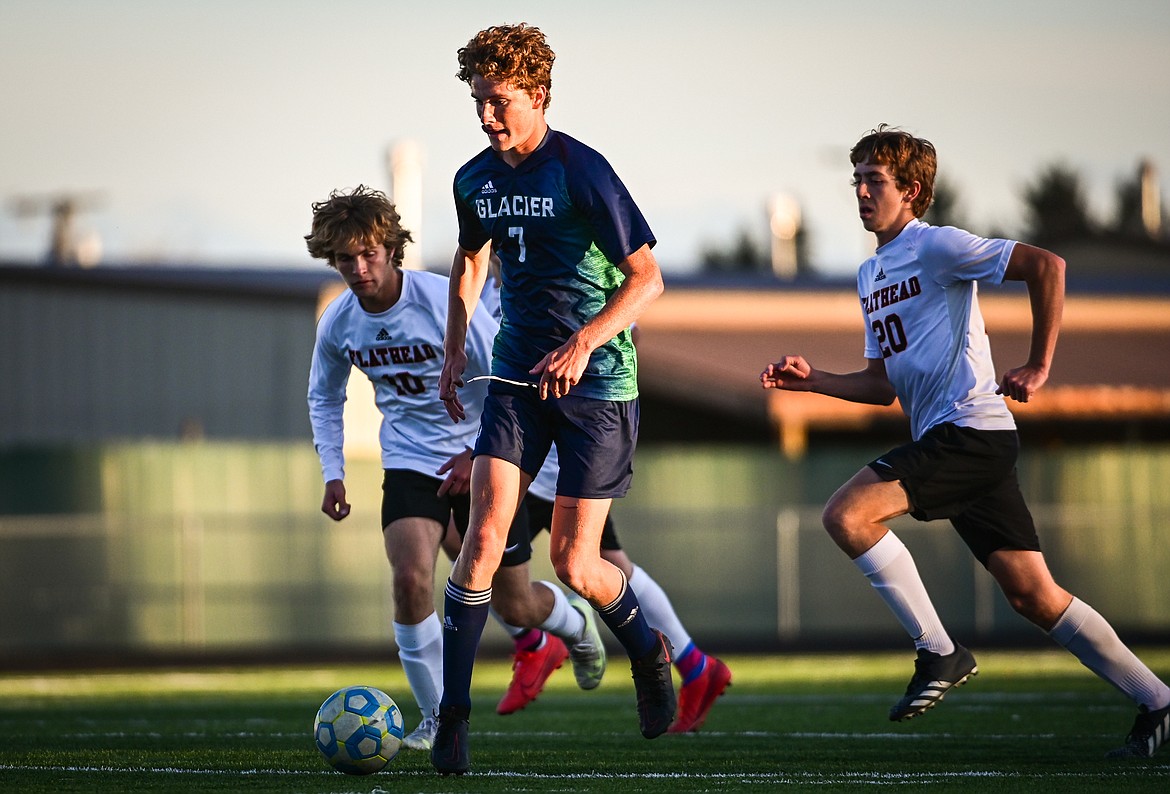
point(852, 735)
point(859, 778)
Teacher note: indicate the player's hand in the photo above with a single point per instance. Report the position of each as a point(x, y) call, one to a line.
point(450, 379)
point(790, 372)
point(561, 369)
point(1021, 383)
point(458, 471)
point(334, 504)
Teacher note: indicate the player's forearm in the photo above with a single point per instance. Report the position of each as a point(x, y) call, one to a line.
point(325, 418)
point(467, 280)
point(328, 377)
point(1043, 273)
point(1046, 295)
point(856, 387)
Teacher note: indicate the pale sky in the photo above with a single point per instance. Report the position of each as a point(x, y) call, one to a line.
point(207, 128)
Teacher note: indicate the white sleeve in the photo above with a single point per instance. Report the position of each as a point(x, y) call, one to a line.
point(328, 376)
point(870, 348)
point(956, 255)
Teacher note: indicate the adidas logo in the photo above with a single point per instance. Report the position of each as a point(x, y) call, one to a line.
point(383, 336)
point(881, 275)
point(633, 614)
point(487, 189)
point(448, 625)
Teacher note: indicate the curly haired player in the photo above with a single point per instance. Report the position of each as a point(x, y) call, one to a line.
point(576, 273)
point(390, 325)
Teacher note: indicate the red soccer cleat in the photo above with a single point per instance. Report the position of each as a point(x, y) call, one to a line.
point(530, 669)
point(696, 698)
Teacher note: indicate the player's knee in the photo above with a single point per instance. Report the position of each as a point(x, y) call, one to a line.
point(572, 572)
point(836, 518)
point(565, 571)
point(1033, 604)
point(1025, 604)
point(408, 580)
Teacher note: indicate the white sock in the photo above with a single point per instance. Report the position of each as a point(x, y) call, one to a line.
point(420, 649)
point(513, 631)
point(892, 572)
point(1090, 638)
point(564, 621)
point(657, 608)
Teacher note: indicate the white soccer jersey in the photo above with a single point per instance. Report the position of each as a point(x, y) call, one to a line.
point(919, 297)
point(401, 351)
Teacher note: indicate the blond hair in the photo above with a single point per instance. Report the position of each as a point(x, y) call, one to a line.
point(363, 216)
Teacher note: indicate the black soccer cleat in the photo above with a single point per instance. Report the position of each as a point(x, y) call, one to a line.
point(934, 676)
point(450, 754)
point(654, 688)
point(1150, 731)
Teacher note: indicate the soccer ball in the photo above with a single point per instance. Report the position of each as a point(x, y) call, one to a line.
point(358, 729)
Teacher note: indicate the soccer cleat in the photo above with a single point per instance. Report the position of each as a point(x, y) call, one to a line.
point(654, 688)
point(450, 754)
point(422, 737)
point(697, 696)
point(934, 676)
point(530, 669)
point(588, 654)
point(1150, 731)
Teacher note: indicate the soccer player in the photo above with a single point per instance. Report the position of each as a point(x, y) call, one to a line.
point(925, 344)
point(390, 324)
point(576, 273)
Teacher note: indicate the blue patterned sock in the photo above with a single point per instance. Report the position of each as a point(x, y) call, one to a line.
point(465, 614)
point(625, 620)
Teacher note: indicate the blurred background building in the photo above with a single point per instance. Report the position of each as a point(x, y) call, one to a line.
point(159, 493)
point(160, 496)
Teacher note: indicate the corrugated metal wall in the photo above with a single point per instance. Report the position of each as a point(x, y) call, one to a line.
point(83, 361)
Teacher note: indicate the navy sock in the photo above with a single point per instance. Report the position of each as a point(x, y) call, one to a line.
point(625, 620)
point(465, 614)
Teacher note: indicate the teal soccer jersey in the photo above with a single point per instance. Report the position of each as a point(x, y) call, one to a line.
point(560, 223)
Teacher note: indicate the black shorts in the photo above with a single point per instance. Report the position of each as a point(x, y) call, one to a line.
point(969, 477)
point(408, 494)
point(595, 438)
point(540, 520)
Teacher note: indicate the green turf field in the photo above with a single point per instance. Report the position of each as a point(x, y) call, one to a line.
point(1031, 721)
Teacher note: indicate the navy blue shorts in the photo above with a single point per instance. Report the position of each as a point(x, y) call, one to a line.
point(540, 520)
point(595, 438)
point(409, 494)
point(967, 476)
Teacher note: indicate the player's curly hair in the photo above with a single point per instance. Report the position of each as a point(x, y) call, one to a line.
point(515, 54)
point(909, 159)
point(363, 216)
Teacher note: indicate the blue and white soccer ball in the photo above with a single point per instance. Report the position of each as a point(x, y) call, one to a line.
point(359, 730)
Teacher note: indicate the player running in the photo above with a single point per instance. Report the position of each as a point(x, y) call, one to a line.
point(925, 345)
point(577, 272)
point(390, 324)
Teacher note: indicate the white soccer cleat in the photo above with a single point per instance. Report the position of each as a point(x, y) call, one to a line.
point(588, 653)
point(422, 737)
